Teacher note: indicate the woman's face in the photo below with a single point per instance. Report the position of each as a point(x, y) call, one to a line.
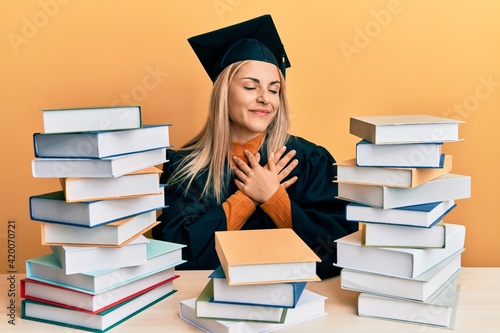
point(253, 99)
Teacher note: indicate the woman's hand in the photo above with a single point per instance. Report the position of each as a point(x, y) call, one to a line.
point(258, 182)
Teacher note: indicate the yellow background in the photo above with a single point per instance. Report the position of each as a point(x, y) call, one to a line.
point(348, 58)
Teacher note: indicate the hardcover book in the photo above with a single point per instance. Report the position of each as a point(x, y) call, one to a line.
point(387, 235)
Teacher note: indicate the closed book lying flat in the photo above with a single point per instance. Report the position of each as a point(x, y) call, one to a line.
point(114, 234)
point(104, 118)
point(76, 300)
point(273, 294)
point(226, 311)
point(398, 262)
point(52, 207)
point(387, 235)
point(419, 288)
point(310, 305)
point(349, 172)
point(141, 182)
point(101, 144)
point(161, 256)
point(265, 256)
point(424, 215)
point(439, 310)
point(99, 322)
point(447, 187)
point(392, 129)
point(412, 155)
point(97, 168)
point(81, 259)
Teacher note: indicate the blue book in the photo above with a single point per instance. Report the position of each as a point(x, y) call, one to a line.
point(285, 295)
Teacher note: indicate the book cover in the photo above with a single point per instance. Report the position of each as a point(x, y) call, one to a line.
point(106, 118)
point(101, 144)
point(387, 235)
point(284, 295)
point(265, 256)
point(349, 172)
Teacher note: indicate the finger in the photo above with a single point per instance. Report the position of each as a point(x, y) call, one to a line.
point(288, 169)
point(271, 162)
point(285, 160)
point(238, 162)
point(279, 153)
point(289, 182)
point(240, 175)
point(252, 160)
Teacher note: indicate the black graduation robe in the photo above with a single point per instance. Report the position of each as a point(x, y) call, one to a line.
point(317, 216)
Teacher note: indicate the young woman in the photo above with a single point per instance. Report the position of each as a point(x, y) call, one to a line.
point(245, 171)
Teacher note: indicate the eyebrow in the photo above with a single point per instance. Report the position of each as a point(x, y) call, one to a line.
point(258, 81)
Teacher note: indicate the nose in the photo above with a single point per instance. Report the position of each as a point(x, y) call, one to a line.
point(263, 98)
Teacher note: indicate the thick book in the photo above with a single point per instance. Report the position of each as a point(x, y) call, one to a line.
point(423, 215)
point(349, 172)
point(387, 235)
point(161, 256)
point(284, 295)
point(411, 155)
point(394, 129)
point(141, 182)
point(76, 300)
point(105, 118)
point(310, 306)
point(265, 256)
point(447, 187)
point(419, 288)
point(52, 207)
point(398, 262)
point(101, 144)
point(440, 310)
point(81, 259)
point(114, 234)
point(99, 322)
point(97, 168)
point(207, 309)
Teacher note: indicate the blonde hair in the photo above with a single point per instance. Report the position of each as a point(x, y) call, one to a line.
point(210, 149)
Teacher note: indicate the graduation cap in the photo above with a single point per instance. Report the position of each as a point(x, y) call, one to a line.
point(255, 39)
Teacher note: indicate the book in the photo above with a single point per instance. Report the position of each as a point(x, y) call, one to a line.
point(99, 322)
point(411, 155)
point(349, 172)
point(392, 129)
point(387, 235)
point(141, 182)
point(265, 256)
point(398, 262)
point(105, 118)
point(224, 311)
point(97, 168)
point(81, 259)
point(447, 187)
point(52, 207)
point(161, 256)
point(419, 288)
point(284, 295)
point(310, 305)
point(423, 215)
point(84, 302)
point(114, 234)
point(439, 310)
point(101, 144)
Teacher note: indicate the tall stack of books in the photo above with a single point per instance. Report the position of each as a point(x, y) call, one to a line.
point(102, 269)
point(405, 260)
point(260, 285)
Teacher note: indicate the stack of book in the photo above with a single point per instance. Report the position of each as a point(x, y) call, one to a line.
point(405, 260)
point(260, 285)
point(102, 269)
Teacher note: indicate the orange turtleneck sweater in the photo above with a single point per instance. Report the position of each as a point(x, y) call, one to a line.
point(238, 207)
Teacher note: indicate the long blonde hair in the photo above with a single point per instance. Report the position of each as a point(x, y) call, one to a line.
point(210, 149)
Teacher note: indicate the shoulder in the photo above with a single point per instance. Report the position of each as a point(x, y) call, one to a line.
point(308, 149)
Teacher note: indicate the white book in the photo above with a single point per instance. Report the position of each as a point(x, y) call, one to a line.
point(310, 306)
point(419, 288)
point(113, 234)
point(101, 144)
point(82, 259)
point(447, 187)
point(398, 262)
point(91, 119)
point(97, 168)
point(387, 235)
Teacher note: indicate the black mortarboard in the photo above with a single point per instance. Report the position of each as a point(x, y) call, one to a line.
point(255, 39)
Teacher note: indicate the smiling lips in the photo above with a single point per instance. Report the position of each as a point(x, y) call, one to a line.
point(260, 112)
